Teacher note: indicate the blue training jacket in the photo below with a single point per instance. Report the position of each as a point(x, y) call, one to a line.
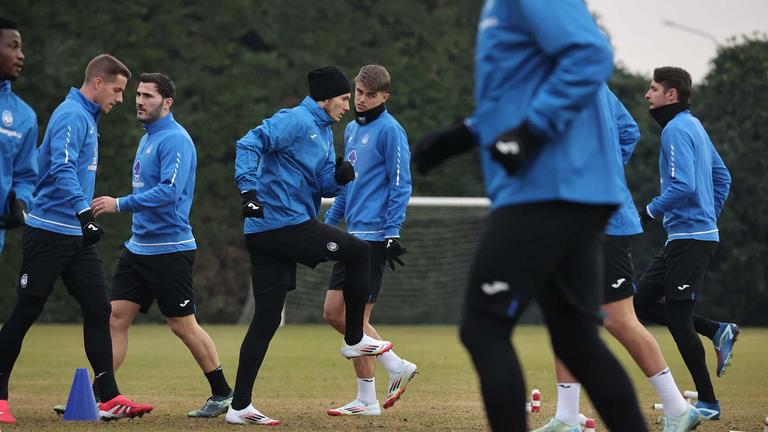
point(626, 133)
point(290, 161)
point(163, 179)
point(694, 181)
point(18, 139)
point(543, 62)
point(67, 159)
point(374, 204)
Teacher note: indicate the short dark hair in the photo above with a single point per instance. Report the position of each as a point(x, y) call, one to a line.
point(106, 67)
point(671, 77)
point(7, 24)
point(164, 84)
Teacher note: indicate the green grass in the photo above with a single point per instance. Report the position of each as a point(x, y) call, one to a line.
point(303, 375)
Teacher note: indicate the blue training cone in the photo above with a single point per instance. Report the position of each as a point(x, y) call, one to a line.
point(81, 405)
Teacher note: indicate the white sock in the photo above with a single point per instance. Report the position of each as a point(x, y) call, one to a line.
point(568, 403)
point(366, 390)
point(391, 362)
point(674, 404)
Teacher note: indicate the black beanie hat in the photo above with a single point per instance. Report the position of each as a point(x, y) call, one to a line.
point(327, 82)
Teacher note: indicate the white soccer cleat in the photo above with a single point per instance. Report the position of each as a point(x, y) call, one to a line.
point(367, 346)
point(356, 407)
point(398, 381)
point(249, 415)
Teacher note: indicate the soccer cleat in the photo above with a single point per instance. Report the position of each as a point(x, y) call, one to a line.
point(213, 407)
point(120, 407)
point(5, 413)
point(555, 425)
point(708, 411)
point(356, 407)
point(685, 422)
point(398, 381)
point(59, 409)
point(367, 346)
point(249, 415)
point(724, 339)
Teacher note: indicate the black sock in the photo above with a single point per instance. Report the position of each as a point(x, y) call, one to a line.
point(28, 308)
point(680, 324)
point(357, 280)
point(268, 308)
point(98, 341)
point(705, 326)
point(218, 382)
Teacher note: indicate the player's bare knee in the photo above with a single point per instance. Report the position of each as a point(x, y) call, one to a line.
point(334, 318)
point(183, 327)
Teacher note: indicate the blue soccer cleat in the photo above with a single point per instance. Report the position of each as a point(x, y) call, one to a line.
point(685, 422)
point(724, 339)
point(709, 411)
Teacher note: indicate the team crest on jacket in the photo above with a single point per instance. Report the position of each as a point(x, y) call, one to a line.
point(332, 246)
point(7, 118)
point(365, 139)
point(137, 175)
point(352, 157)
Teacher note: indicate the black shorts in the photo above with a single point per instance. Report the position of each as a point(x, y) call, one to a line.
point(619, 281)
point(538, 250)
point(677, 272)
point(48, 255)
point(378, 260)
point(275, 253)
point(167, 278)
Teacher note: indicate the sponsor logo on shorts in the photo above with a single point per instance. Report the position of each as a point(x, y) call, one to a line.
point(494, 287)
point(332, 246)
point(682, 287)
point(24, 280)
point(184, 303)
point(618, 283)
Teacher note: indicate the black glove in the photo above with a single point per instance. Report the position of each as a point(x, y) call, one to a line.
point(394, 251)
point(345, 172)
point(644, 217)
point(92, 231)
point(251, 205)
point(514, 147)
point(17, 212)
point(439, 145)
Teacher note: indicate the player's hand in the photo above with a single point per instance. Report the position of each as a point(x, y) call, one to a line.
point(251, 205)
point(345, 172)
point(439, 145)
point(394, 251)
point(644, 216)
point(514, 147)
point(92, 231)
point(103, 205)
point(17, 213)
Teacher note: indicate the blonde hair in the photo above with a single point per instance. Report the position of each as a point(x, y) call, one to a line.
point(374, 77)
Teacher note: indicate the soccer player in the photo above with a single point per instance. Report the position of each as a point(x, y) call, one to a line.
point(157, 261)
point(18, 136)
point(283, 168)
point(546, 151)
point(374, 209)
point(619, 287)
point(694, 187)
point(60, 238)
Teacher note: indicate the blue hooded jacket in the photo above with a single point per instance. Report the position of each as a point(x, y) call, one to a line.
point(163, 179)
point(626, 133)
point(18, 139)
point(694, 181)
point(374, 204)
point(542, 62)
point(67, 159)
point(289, 160)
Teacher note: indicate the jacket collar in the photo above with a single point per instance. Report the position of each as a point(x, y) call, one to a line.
point(365, 117)
point(5, 87)
point(665, 114)
point(92, 107)
point(321, 117)
point(159, 124)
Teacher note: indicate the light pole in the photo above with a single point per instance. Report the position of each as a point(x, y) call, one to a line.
point(691, 30)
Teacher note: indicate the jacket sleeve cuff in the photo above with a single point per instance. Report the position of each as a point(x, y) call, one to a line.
point(392, 232)
point(124, 204)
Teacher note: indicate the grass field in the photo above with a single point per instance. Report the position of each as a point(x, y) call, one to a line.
point(304, 374)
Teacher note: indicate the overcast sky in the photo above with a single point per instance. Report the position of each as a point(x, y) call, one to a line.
point(642, 41)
